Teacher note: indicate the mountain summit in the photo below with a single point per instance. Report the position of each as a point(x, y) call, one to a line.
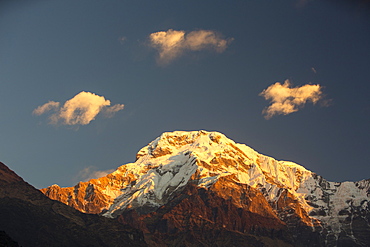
point(205, 180)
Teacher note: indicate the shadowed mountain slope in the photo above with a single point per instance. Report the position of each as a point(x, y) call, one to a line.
point(30, 218)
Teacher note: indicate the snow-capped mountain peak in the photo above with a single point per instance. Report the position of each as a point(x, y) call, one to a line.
point(176, 159)
point(168, 162)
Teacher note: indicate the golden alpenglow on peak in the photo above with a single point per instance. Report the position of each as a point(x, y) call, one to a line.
point(194, 162)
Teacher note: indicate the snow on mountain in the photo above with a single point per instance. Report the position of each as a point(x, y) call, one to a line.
point(168, 163)
point(174, 159)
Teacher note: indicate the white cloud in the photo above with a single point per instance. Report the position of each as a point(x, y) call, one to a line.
point(285, 99)
point(171, 43)
point(46, 107)
point(90, 173)
point(80, 110)
point(110, 111)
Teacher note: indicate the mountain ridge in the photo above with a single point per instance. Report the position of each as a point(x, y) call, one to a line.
point(30, 218)
point(338, 212)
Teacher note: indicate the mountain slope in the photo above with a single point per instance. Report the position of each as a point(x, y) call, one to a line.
point(32, 219)
point(201, 217)
point(313, 210)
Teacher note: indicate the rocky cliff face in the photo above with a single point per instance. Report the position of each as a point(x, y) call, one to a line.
point(203, 179)
point(201, 217)
point(96, 194)
point(29, 218)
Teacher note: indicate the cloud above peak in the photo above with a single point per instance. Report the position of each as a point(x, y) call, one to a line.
point(172, 43)
point(286, 99)
point(80, 110)
point(91, 173)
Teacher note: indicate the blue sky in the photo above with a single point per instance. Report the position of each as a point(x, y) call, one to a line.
point(54, 50)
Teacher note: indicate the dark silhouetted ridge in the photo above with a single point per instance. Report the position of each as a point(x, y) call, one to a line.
point(30, 218)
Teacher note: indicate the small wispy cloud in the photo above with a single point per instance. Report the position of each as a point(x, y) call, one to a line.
point(122, 39)
point(46, 107)
point(91, 173)
point(80, 110)
point(172, 43)
point(286, 99)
